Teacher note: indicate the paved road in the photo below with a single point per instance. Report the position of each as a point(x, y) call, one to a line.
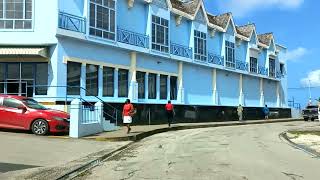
point(21, 152)
point(235, 153)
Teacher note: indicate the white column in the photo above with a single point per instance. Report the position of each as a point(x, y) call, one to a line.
point(133, 85)
point(214, 86)
point(158, 87)
point(261, 93)
point(180, 83)
point(100, 81)
point(116, 81)
point(75, 118)
point(241, 95)
point(278, 95)
point(168, 87)
point(83, 80)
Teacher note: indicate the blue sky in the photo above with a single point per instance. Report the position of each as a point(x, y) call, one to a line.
point(295, 24)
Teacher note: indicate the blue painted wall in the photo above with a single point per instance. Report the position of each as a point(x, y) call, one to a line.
point(214, 43)
point(228, 88)
point(197, 82)
point(75, 7)
point(270, 89)
point(251, 90)
point(182, 30)
point(157, 64)
point(241, 51)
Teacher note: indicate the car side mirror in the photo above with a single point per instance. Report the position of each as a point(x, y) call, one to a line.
point(23, 108)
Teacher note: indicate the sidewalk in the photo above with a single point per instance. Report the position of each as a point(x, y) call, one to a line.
point(140, 132)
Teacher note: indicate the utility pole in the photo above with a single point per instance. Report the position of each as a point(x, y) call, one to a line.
point(310, 97)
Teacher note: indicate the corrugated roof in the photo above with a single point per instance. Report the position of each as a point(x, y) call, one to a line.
point(245, 30)
point(265, 38)
point(189, 7)
point(220, 20)
point(27, 51)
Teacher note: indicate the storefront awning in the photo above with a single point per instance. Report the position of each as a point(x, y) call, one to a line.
point(21, 51)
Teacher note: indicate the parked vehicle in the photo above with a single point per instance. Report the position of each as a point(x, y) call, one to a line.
point(311, 112)
point(18, 112)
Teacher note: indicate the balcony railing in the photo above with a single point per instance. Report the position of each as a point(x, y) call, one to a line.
point(215, 59)
point(180, 50)
point(133, 38)
point(262, 70)
point(244, 66)
point(279, 75)
point(72, 22)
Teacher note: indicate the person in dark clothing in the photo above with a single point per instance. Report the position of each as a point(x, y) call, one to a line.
point(170, 112)
point(266, 112)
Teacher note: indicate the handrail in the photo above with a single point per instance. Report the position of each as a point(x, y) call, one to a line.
point(132, 38)
point(180, 50)
point(72, 22)
point(115, 110)
point(215, 59)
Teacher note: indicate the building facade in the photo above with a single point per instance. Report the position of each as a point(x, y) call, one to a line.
point(149, 51)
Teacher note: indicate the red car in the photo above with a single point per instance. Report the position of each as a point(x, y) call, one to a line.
point(18, 112)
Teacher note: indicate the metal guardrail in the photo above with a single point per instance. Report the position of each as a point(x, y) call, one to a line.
point(215, 59)
point(244, 66)
point(72, 22)
point(132, 38)
point(180, 50)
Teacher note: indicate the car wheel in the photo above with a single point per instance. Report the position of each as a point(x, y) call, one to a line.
point(40, 127)
point(306, 119)
point(312, 119)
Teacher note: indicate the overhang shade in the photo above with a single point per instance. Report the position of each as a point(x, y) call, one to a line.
point(19, 51)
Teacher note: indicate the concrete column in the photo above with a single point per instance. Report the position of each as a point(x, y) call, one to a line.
point(116, 81)
point(100, 81)
point(262, 103)
point(158, 87)
point(241, 94)
point(83, 80)
point(180, 97)
point(75, 118)
point(214, 86)
point(133, 85)
point(278, 95)
point(146, 86)
point(168, 87)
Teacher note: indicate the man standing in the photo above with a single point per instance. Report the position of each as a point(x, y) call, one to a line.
point(170, 112)
point(266, 112)
point(240, 111)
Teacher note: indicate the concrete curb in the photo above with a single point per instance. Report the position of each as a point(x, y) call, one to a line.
point(303, 148)
point(80, 170)
point(140, 136)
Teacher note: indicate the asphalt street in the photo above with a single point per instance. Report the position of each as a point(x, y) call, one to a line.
point(235, 153)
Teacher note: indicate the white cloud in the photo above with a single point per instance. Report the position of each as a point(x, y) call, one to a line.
point(239, 8)
point(295, 54)
point(313, 78)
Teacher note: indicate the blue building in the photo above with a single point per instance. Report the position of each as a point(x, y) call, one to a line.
point(149, 51)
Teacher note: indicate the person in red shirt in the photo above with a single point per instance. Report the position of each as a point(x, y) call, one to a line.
point(170, 112)
point(127, 113)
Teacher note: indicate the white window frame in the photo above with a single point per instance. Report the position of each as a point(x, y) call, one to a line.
point(272, 69)
point(253, 68)
point(200, 53)
point(230, 48)
point(155, 26)
point(23, 19)
point(95, 23)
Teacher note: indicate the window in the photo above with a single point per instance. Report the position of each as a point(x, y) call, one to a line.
point(152, 86)
point(123, 76)
point(73, 78)
point(2, 77)
point(173, 88)
point(102, 19)
point(253, 65)
point(230, 60)
point(41, 79)
point(92, 80)
point(163, 86)
point(11, 103)
point(15, 14)
point(282, 69)
point(108, 81)
point(160, 34)
point(200, 46)
point(272, 68)
point(141, 85)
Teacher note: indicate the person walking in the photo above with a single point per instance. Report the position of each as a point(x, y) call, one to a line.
point(127, 113)
point(240, 111)
point(170, 112)
point(266, 112)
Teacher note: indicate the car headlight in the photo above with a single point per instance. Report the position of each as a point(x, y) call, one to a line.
point(58, 118)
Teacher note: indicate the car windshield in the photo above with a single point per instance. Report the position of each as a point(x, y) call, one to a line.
point(33, 104)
